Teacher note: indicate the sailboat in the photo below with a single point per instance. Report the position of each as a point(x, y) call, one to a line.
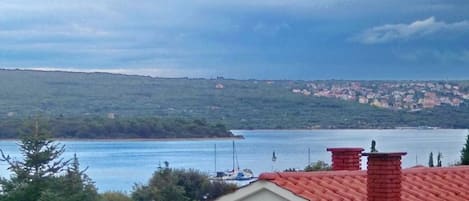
point(236, 173)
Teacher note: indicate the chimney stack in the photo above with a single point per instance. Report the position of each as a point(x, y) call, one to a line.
point(346, 158)
point(384, 176)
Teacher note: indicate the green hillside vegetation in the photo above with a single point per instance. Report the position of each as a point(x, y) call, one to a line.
point(238, 104)
point(105, 128)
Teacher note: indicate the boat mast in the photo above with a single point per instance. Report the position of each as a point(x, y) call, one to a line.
point(236, 157)
point(233, 156)
point(215, 158)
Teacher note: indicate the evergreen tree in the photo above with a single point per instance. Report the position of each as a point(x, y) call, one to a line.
point(465, 153)
point(373, 146)
point(75, 185)
point(41, 163)
point(38, 177)
point(430, 160)
point(438, 159)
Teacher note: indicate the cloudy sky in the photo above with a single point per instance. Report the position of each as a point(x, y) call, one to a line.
point(263, 39)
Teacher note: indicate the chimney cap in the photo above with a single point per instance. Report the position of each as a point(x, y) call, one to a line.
point(345, 149)
point(385, 154)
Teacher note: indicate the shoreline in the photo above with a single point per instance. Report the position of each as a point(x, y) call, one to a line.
point(313, 129)
point(238, 137)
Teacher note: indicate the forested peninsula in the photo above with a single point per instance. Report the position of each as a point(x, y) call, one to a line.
point(118, 128)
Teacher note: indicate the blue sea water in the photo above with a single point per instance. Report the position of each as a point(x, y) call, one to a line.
point(118, 165)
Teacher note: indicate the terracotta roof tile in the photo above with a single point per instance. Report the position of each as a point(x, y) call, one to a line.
point(418, 184)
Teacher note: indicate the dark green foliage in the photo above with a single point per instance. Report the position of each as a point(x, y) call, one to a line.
point(41, 164)
point(318, 166)
point(43, 175)
point(145, 127)
point(465, 153)
point(290, 170)
point(180, 185)
point(241, 104)
point(38, 177)
point(373, 146)
point(115, 196)
point(430, 160)
point(438, 160)
point(76, 185)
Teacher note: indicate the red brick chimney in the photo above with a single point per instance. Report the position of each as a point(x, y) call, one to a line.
point(384, 176)
point(346, 158)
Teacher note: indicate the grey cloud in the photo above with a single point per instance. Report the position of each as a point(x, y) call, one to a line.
point(420, 28)
point(216, 37)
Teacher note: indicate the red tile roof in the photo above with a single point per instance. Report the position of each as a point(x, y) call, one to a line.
point(418, 184)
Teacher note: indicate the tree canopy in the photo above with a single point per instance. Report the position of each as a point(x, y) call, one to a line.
point(169, 184)
point(465, 153)
point(42, 175)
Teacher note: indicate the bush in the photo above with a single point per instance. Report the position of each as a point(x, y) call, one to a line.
point(180, 185)
point(318, 166)
point(115, 196)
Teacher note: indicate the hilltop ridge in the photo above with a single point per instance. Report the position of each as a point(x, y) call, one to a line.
point(239, 104)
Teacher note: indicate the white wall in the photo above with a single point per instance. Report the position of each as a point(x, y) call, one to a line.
point(264, 195)
point(261, 191)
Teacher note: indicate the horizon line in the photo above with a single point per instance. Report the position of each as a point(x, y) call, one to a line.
point(151, 71)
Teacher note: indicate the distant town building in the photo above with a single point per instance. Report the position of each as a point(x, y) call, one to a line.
point(296, 91)
point(363, 100)
point(456, 101)
point(111, 115)
point(219, 86)
point(306, 92)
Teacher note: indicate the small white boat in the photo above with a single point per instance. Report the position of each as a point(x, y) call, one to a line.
point(236, 174)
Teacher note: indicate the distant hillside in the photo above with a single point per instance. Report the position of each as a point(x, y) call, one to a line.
point(239, 104)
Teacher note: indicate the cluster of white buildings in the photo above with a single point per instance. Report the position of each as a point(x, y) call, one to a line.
point(393, 95)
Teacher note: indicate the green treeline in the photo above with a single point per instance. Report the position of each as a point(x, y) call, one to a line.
point(106, 128)
point(43, 175)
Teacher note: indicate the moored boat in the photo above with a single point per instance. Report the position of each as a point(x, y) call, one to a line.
point(235, 174)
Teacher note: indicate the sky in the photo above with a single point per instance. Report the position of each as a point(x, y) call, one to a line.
point(242, 39)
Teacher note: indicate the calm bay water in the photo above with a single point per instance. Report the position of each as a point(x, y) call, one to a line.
point(117, 165)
